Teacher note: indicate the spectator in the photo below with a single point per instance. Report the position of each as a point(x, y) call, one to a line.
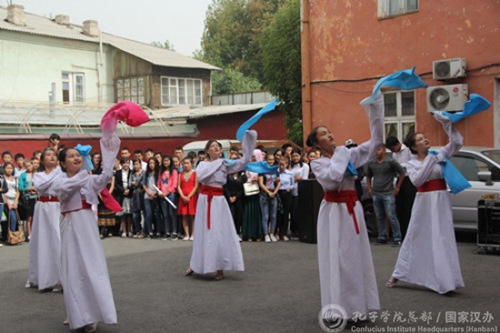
point(300, 171)
point(54, 141)
point(11, 197)
point(404, 200)
point(149, 153)
point(96, 161)
point(287, 150)
point(123, 195)
point(177, 163)
point(187, 187)
point(125, 152)
point(383, 169)
point(4, 221)
point(278, 153)
point(201, 157)
point(27, 195)
point(159, 157)
point(167, 183)
point(106, 218)
point(269, 184)
point(151, 202)
point(138, 155)
point(233, 191)
point(6, 157)
point(234, 153)
point(252, 219)
point(137, 197)
point(19, 159)
point(179, 152)
point(285, 194)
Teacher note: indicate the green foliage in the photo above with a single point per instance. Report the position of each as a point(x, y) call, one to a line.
point(166, 45)
point(231, 81)
point(281, 59)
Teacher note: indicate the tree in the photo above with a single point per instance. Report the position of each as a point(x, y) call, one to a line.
point(281, 59)
point(166, 45)
point(232, 32)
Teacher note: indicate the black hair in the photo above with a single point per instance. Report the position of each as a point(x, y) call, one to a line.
point(285, 146)
point(54, 136)
point(391, 141)
point(124, 159)
point(18, 155)
point(192, 154)
point(297, 151)
point(179, 148)
point(13, 169)
point(170, 167)
point(156, 171)
point(201, 152)
point(312, 138)
point(7, 152)
point(234, 148)
point(209, 143)
point(149, 150)
point(138, 151)
point(62, 157)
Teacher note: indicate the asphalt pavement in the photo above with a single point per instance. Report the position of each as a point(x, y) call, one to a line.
point(278, 292)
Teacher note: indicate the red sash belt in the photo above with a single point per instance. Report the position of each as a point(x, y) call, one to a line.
point(432, 185)
point(85, 205)
point(349, 197)
point(210, 191)
point(48, 198)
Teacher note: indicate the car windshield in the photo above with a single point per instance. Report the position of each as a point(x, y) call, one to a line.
point(493, 154)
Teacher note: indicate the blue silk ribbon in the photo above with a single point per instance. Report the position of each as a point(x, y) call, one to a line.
point(476, 104)
point(455, 180)
point(85, 153)
point(405, 79)
point(247, 124)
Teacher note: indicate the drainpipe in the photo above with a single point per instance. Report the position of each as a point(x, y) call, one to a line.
point(306, 71)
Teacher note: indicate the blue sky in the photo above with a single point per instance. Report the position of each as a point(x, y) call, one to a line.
point(179, 21)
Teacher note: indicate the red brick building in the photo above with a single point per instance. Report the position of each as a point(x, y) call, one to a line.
point(348, 45)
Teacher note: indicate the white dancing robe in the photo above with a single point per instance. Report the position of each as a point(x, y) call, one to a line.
point(429, 256)
point(346, 272)
point(45, 243)
point(87, 289)
point(218, 248)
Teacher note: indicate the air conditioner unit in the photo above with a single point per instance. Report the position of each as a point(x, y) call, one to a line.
point(448, 69)
point(447, 98)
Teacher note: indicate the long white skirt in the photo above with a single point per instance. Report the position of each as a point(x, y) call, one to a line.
point(44, 268)
point(87, 289)
point(429, 255)
point(217, 248)
point(346, 272)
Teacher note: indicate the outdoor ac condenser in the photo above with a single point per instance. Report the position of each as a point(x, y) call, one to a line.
point(447, 98)
point(447, 69)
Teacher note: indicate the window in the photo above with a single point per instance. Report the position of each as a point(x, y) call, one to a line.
point(469, 167)
point(178, 91)
point(73, 87)
point(399, 114)
point(131, 89)
point(390, 8)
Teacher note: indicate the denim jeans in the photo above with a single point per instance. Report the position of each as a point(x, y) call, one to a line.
point(268, 208)
point(151, 215)
point(136, 220)
point(385, 205)
point(169, 213)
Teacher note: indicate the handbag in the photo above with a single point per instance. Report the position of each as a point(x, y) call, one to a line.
point(15, 237)
point(250, 189)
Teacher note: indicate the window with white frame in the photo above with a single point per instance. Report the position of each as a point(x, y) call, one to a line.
point(131, 89)
point(73, 87)
point(180, 91)
point(399, 114)
point(390, 8)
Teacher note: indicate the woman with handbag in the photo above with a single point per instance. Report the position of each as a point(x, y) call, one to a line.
point(252, 221)
point(216, 246)
point(27, 194)
point(45, 245)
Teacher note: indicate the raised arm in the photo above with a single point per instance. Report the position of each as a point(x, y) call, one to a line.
point(248, 145)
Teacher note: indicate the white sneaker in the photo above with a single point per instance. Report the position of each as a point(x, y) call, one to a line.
point(28, 284)
point(239, 238)
point(1, 244)
point(191, 238)
point(186, 238)
point(267, 239)
point(285, 238)
point(273, 238)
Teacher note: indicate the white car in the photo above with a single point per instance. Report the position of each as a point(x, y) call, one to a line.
point(481, 167)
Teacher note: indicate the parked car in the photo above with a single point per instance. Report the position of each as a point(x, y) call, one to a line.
point(480, 166)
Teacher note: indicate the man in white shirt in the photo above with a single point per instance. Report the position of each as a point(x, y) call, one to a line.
point(406, 196)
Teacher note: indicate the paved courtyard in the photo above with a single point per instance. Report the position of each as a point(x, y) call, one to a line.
point(278, 292)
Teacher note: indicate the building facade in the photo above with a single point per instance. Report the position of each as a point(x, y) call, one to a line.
point(347, 46)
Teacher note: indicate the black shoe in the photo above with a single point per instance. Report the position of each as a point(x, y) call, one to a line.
point(396, 244)
point(173, 237)
point(380, 241)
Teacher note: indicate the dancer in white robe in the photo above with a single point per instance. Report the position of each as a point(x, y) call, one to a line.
point(216, 246)
point(87, 289)
point(429, 256)
point(45, 243)
point(347, 275)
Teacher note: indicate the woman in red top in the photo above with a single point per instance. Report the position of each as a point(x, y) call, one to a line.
point(188, 192)
point(167, 183)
